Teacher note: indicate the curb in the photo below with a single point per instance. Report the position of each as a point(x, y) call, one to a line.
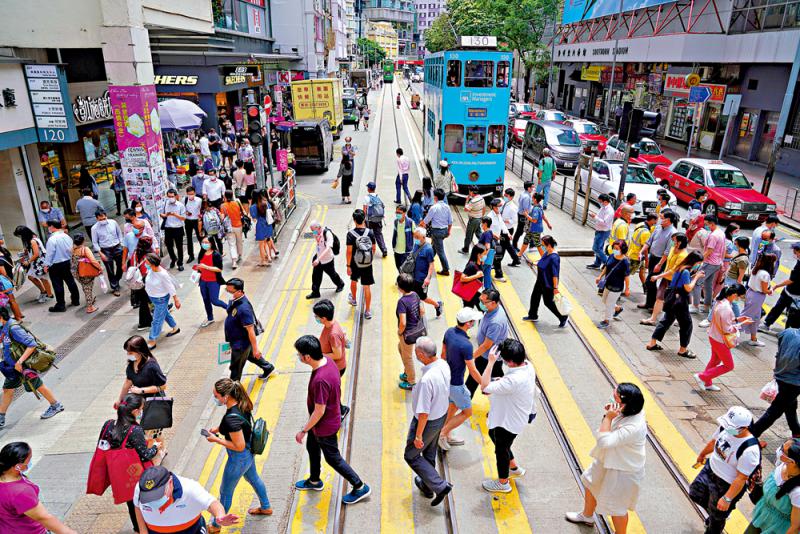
point(789, 223)
point(574, 252)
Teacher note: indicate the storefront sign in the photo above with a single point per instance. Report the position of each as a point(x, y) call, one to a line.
point(591, 73)
point(259, 3)
point(282, 159)
point(92, 109)
point(242, 70)
point(675, 85)
point(234, 79)
point(160, 79)
point(48, 84)
point(255, 19)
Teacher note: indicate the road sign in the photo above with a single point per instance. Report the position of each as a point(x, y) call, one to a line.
point(692, 80)
point(267, 103)
point(699, 94)
point(731, 107)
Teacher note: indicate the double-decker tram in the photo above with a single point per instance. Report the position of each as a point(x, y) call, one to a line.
point(388, 71)
point(467, 94)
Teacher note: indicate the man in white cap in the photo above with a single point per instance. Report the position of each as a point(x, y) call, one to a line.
point(733, 455)
point(457, 351)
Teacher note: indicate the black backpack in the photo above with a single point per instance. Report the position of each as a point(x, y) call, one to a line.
point(755, 482)
point(337, 245)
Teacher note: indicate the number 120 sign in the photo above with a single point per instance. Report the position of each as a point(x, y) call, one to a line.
point(482, 41)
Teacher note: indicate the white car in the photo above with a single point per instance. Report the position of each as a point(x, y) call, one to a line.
point(521, 110)
point(605, 179)
point(416, 78)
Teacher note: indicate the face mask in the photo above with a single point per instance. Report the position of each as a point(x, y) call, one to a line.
point(315, 232)
point(764, 243)
point(399, 216)
point(213, 178)
point(617, 252)
point(206, 246)
point(138, 418)
point(172, 200)
point(46, 210)
point(218, 402)
point(483, 307)
point(416, 241)
point(136, 231)
point(706, 227)
point(138, 209)
point(732, 431)
point(149, 269)
point(191, 197)
point(131, 357)
point(695, 269)
point(317, 320)
point(160, 502)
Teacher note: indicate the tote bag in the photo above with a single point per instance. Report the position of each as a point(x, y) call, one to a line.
point(119, 468)
point(157, 412)
point(465, 290)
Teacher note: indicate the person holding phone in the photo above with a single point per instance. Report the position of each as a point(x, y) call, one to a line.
point(236, 428)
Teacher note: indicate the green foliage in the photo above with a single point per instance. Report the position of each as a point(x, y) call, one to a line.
point(440, 35)
point(372, 51)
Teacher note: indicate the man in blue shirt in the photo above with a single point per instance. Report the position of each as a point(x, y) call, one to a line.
point(58, 263)
point(457, 351)
point(240, 332)
point(524, 208)
point(423, 269)
point(536, 220)
point(49, 213)
point(14, 373)
point(440, 220)
point(787, 375)
point(492, 330)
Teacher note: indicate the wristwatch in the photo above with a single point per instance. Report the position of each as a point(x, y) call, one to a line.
point(726, 499)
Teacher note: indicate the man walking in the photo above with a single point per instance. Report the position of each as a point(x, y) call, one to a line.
point(240, 333)
point(87, 205)
point(107, 240)
point(655, 250)
point(375, 210)
point(332, 339)
point(322, 261)
point(57, 264)
point(787, 376)
point(361, 245)
point(173, 215)
point(492, 330)
point(420, 265)
point(403, 166)
point(523, 211)
point(713, 255)
point(429, 405)
point(603, 220)
point(213, 189)
point(324, 421)
point(536, 221)
point(402, 236)
point(49, 213)
point(215, 146)
point(509, 215)
point(547, 171)
point(475, 207)
point(499, 232)
point(457, 351)
point(789, 295)
point(440, 220)
point(193, 205)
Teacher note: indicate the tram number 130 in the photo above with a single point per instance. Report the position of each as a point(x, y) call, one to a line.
point(479, 40)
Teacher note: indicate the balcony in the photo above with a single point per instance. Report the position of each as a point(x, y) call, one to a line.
point(389, 15)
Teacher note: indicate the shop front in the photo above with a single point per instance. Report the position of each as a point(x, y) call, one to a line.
point(682, 114)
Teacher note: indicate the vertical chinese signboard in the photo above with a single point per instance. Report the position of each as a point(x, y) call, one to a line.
point(47, 87)
point(138, 129)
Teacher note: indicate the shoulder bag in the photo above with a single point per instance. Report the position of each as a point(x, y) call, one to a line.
point(465, 290)
point(411, 336)
point(157, 412)
point(601, 285)
point(87, 269)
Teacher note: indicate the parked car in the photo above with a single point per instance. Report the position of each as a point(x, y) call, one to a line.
point(551, 115)
point(589, 134)
point(416, 78)
point(562, 140)
point(516, 131)
point(350, 107)
point(649, 152)
point(312, 143)
point(730, 194)
point(640, 181)
point(520, 110)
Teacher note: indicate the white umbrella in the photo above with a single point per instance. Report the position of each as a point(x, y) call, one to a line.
point(178, 114)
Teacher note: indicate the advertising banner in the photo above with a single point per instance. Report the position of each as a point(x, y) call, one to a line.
point(675, 85)
point(578, 10)
point(591, 73)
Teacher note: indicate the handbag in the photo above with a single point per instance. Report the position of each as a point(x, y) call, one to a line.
point(157, 412)
point(119, 468)
point(601, 285)
point(731, 339)
point(86, 269)
point(133, 276)
point(769, 391)
point(465, 290)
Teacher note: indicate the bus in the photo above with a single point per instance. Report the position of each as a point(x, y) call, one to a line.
point(466, 97)
point(388, 71)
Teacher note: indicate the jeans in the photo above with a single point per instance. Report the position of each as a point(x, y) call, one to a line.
point(160, 314)
point(502, 439)
point(215, 159)
point(785, 403)
point(706, 490)
point(191, 226)
point(784, 301)
point(61, 274)
point(480, 364)
point(377, 229)
point(113, 263)
point(544, 190)
point(173, 238)
point(329, 447)
point(680, 313)
point(121, 196)
point(423, 461)
point(650, 288)
point(210, 293)
point(541, 292)
point(599, 247)
point(329, 269)
point(473, 228)
point(438, 236)
point(707, 285)
point(241, 464)
point(401, 181)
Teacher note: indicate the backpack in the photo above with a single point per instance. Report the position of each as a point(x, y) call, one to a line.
point(337, 246)
point(259, 435)
point(40, 361)
point(755, 482)
point(362, 252)
point(375, 209)
point(410, 263)
point(212, 222)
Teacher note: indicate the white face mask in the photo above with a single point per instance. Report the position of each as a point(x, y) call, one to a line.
point(138, 209)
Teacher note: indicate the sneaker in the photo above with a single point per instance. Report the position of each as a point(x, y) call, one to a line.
point(443, 444)
point(463, 251)
point(345, 410)
point(441, 495)
point(756, 343)
point(2, 420)
point(495, 486)
point(704, 323)
point(141, 328)
point(530, 319)
point(340, 288)
point(351, 301)
point(517, 472)
point(206, 323)
point(425, 490)
point(617, 312)
point(563, 323)
point(578, 517)
point(499, 279)
point(700, 383)
point(368, 314)
point(694, 309)
point(57, 309)
point(593, 267)
point(42, 298)
point(306, 484)
point(52, 410)
point(268, 369)
point(403, 377)
point(602, 325)
point(443, 273)
point(439, 308)
point(405, 385)
point(356, 495)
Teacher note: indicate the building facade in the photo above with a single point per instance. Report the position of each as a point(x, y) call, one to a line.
point(384, 34)
point(402, 16)
point(427, 12)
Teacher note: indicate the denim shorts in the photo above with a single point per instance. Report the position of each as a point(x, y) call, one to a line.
point(459, 395)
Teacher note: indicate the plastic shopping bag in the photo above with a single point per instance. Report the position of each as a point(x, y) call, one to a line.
point(563, 304)
point(103, 282)
point(195, 277)
point(769, 391)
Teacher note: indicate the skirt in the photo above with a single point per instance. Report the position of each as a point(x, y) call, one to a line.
point(616, 491)
point(753, 302)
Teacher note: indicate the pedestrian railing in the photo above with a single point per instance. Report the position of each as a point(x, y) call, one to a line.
point(791, 208)
point(285, 199)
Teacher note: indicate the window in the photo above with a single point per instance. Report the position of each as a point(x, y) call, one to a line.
point(454, 138)
point(697, 176)
point(600, 168)
point(752, 84)
point(476, 139)
point(453, 73)
point(497, 136)
point(730, 178)
point(478, 74)
point(503, 71)
point(682, 169)
point(613, 142)
point(431, 124)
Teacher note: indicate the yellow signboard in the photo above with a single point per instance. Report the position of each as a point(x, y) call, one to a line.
point(692, 80)
point(591, 73)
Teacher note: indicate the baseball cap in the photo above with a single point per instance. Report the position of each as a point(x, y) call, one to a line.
point(795, 246)
point(736, 417)
point(465, 315)
point(153, 484)
point(371, 185)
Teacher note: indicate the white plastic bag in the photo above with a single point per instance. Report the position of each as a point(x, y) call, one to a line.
point(195, 277)
point(563, 304)
point(101, 279)
point(769, 391)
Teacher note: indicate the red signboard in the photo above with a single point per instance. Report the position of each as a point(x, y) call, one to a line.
point(675, 85)
point(259, 3)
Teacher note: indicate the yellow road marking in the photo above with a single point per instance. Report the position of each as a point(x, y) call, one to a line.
point(569, 415)
point(661, 426)
point(786, 230)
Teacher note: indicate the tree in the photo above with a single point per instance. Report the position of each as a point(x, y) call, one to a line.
point(372, 52)
point(440, 35)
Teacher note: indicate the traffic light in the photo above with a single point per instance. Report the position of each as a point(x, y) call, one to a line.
point(636, 123)
point(648, 128)
point(254, 124)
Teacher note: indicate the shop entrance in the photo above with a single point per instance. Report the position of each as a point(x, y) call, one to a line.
point(746, 133)
point(770, 126)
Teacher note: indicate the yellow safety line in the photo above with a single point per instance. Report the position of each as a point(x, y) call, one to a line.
point(785, 229)
point(569, 415)
point(673, 442)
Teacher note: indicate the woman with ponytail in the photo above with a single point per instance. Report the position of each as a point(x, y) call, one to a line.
point(236, 428)
point(20, 509)
point(778, 511)
point(126, 430)
point(722, 334)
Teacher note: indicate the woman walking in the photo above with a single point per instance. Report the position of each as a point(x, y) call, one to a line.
point(676, 305)
point(546, 286)
point(346, 177)
point(33, 256)
point(209, 265)
point(616, 279)
point(615, 477)
point(139, 297)
point(474, 271)
point(738, 267)
point(723, 335)
point(248, 185)
point(262, 213)
point(20, 508)
point(675, 257)
point(758, 288)
point(143, 374)
point(160, 287)
point(125, 433)
point(81, 254)
point(236, 428)
point(415, 212)
point(778, 511)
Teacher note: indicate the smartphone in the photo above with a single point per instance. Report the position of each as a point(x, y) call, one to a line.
point(205, 433)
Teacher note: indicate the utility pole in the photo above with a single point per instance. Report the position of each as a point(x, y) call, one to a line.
point(613, 70)
point(550, 70)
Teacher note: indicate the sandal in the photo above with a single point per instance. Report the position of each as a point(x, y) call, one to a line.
point(688, 354)
point(92, 309)
point(654, 347)
point(260, 511)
